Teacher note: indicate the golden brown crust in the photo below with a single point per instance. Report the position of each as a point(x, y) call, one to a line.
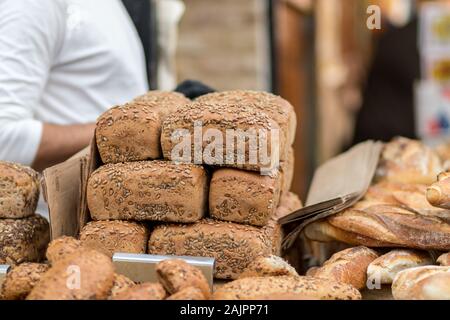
point(270, 266)
point(223, 116)
point(19, 190)
point(82, 275)
point(308, 287)
point(21, 279)
point(109, 237)
point(131, 132)
point(287, 168)
point(444, 260)
point(59, 248)
point(148, 190)
point(438, 194)
point(145, 291)
point(23, 240)
point(233, 246)
point(226, 200)
point(188, 293)
point(121, 284)
point(348, 266)
point(176, 275)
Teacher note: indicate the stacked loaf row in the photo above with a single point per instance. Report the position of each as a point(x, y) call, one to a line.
point(24, 235)
point(208, 208)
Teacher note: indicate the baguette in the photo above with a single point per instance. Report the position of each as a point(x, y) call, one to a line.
point(148, 190)
point(19, 191)
point(306, 288)
point(422, 283)
point(386, 267)
point(438, 194)
point(270, 266)
point(226, 200)
point(132, 132)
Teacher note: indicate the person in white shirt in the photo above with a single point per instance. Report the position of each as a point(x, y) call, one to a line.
point(63, 63)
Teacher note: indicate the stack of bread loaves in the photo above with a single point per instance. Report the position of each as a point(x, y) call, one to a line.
point(24, 235)
point(168, 159)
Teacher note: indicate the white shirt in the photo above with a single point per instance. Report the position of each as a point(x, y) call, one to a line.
point(63, 62)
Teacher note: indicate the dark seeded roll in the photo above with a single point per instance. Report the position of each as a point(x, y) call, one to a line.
point(148, 190)
point(19, 190)
point(23, 240)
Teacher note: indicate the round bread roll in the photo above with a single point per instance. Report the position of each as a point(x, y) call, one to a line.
point(444, 260)
point(109, 237)
point(121, 283)
point(21, 280)
point(23, 240)
point(85, 274)
point(268, 267)
point(175, 275)
point(145, 291)
point(385, 268)
point(59, 248)
point(308, 287)
point(19, 190)
point(188, 293)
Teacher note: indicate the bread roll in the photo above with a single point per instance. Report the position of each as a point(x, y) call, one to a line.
point(439, 193)
point(233, 246)
point(23, 240)
point(385, 268)
point(19, 190)
point(131, 132)
point(121, 284)
point(176, 275)
point(348, 266)
point(310, 288)
point(444, 260)
point(21, 279)
point(188, 293)
point(422, 283)
point(109, 237)
point(277, 108)
point(270, 266)
point(59, 248)
point(243, 196)
point(408, 161)
point(145, 291)
point(82, 275)
point(151, 190)
point(233, 125)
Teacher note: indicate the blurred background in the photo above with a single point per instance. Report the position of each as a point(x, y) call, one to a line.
point(353, 69)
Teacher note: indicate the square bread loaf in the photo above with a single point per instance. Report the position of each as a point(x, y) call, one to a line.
point(243, 196)
point(148, 190)
point(131, 132)
point(233, 245)
point(222, 134)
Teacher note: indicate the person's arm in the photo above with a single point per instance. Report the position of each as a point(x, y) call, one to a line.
point(31, 35)
point(58, 143)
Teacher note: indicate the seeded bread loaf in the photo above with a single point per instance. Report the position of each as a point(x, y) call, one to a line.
point(386, 267)
point(253, 139)
point(145, 291)
point(23, 240)
point(121, 284)
point(233, 246)
point(109, 237)
point(270, 266)
point(422, 283)
point(21, 279)
point(176, 275)
point(148, 190)
point(82, 275)
point(310, 288)
point(19, 190)
point(277, 108)
point(131, 132)
point(243, 196)
point(59, 248)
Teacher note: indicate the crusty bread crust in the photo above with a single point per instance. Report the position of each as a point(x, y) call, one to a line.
point(21, 280)
point(188, 293)
point(59, 248)
point(145, 291)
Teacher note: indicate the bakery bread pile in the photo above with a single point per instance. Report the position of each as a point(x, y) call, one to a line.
point(199, 205)
point(24, 235)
